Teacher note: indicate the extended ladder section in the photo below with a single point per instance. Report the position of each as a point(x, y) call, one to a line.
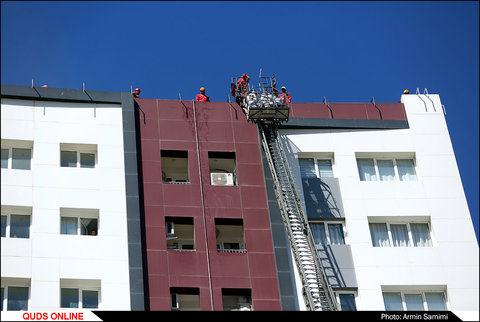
point(318, 295)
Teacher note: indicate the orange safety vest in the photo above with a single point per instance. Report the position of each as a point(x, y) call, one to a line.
point(202, 98)
point(242, 85)
point(286, 97)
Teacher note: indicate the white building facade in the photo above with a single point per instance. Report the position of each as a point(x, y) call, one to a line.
point(397, 207)
point(63, 203)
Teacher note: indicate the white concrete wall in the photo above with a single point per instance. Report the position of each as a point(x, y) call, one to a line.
point(452, 263)
point(47, 256)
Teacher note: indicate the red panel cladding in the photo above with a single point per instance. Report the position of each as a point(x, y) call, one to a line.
point(254, 197)
point(157, 263)
point(248, 153)
point(262, 264)
point(181, 195)
point(264, 288)
point(176, 130)
point(266, 305)
point(221, 196)
point(148, 108)
point(245, 132)
point(348, 110)
point(150, 150)
point(149, 129)
point(258, 240)
point(214, 111)
point(256, 218)
point(250, 174)
point(152, 171)
point(226, 264)
point(187, 263)
point(317, 110)
point(174, 110)
point(392, 111)
point(215, 131)
point(167, 127)
point(154, 216)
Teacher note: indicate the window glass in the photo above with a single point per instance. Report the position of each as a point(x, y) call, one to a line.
point(379, 234)
point(4, 226)
point(421, 235)
point(366, 170)
point(406, 170)
point(17, 298)
point(399, 235)
point(414, 302)
point(325, 168)
point(68, 159)
point(88, 226)
point(319, 234)
point(392, 301)
point(90, 299)
point(435, 301)
point(87, 160)
point(68, 225)
point(335, 231)
point(385, 170)
point(307, 168)
point(347, 302)
point(20, 226)
point(69, 297)
point(5, 158)
point(21, 158)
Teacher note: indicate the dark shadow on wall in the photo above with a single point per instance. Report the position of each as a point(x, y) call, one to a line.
point(322, 198)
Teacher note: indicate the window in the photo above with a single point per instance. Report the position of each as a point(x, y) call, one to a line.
point(76, 221)
point(347, 301)
point(315, 168)
point(180, 233)
point(237, 299)
point(229, 233)
point(80, 293)
point(16, 154)
point(414, 301)
point(78, 155)
point(328, 233)
point(174, 166)
point(185, 299)
point(79, 298)
point(376, 169)
point(16, 222)
point(222, 168)
point(15, 294)
point(405, 234)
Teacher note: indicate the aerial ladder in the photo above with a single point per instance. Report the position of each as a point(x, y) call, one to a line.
point(262, 106)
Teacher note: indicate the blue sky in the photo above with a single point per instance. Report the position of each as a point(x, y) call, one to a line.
point(345, 51)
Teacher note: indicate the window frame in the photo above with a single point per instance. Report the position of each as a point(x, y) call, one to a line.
point(395, 168)
point(79, 214)
point(315, 164)
point(80, 290)
point(337, 298)
point(79, 149)
point(417, 292)
point(346, 239)
point(8, 224)
point(7, 283)
point(10, 157)
point(411, 241)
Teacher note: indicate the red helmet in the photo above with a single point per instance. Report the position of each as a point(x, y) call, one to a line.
point(137, 89)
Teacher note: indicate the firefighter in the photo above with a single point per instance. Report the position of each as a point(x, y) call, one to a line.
point(285, 95)
point(202, 97)
point(242, 88)
point(136, 93)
